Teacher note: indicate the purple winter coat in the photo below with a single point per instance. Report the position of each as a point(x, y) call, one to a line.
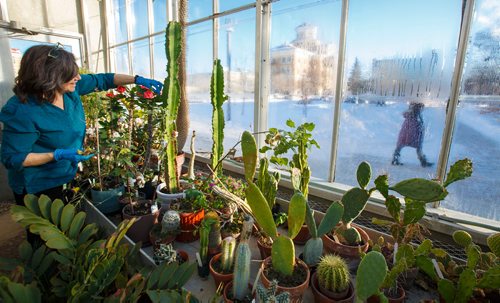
point(412, 130)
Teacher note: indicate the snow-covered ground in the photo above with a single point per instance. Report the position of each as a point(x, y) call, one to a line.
point(368, 132)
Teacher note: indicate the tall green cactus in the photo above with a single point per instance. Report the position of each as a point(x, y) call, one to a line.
point(170, 99)
point(217, 98)
point(242, 262)
point(205, 227)
point(268, 182)
point(227, 257)
point(333, 273)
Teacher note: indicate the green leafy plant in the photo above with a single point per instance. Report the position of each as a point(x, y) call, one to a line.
point(283, 251)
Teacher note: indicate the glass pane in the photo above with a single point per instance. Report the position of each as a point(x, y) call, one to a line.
point(160, 63)
point(121, 59)
point(139, 18)
point(199, 70)
point(225, 5)
point(303, 68)
point(198, 9)
point(237, 54)
point(477, 126)
point(160, 15)
point(140, 58)
point(120, 21)
point(397, 82)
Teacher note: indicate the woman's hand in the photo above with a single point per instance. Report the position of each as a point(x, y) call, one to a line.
point(155, 86)
point(72, 154)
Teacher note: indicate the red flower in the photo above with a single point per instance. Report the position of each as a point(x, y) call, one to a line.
point(121, 89)
point(143, 87)
point(110, 95)
point(148, 94)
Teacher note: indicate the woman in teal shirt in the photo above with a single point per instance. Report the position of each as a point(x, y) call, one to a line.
point(44, 122)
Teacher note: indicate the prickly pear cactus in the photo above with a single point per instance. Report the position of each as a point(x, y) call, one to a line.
point(313, 251)
point(494, 244)
point(420, 189)
point(351, 235)
point(370, 275)
point(170, 221)
point(462, 238)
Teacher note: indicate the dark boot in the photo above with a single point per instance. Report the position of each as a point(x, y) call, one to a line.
point(424, 163)
point(395, 159)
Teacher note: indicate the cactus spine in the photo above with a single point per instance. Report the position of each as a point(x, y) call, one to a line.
point(170, 98)
point(170, 222)
point(333, 273)
point(227, 257)
point(242, 262)
point(217, 98)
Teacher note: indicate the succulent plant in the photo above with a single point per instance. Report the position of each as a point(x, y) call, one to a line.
point(268, 182)
point(214, 237)
point(370, 275)
point(205, 227)
point(227, 257)
point(333, 273)
point(269, 295)
point(462, 238)
point(242, 261)
point(165, 253)
point(494, 244)
point(170, 222)
point(217, 98)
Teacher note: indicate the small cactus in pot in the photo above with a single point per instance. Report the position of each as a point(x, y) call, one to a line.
point(170, 222)
point(333, 277)
point(242, 262)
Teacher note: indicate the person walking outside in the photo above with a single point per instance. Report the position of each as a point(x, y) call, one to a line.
point(44, 122)
point(411, 134)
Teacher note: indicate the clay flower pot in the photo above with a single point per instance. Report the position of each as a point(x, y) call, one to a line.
point(219, 277)
point(321, 297)
point(351, 253)
point(139, 231)
point(296, 292)
point(190, 220)
point(228, 288)
point(302, 236)
point(265, 250)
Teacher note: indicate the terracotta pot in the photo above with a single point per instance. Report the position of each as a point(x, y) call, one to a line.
point(302, 236)
point(187, 236)
point(320, 297)
point(228, 288)
point(351, 253)
point(189, 221)
point(139, 231)
point(265, 250)
point(399, 299)
point(218, 277)
point(296, 292)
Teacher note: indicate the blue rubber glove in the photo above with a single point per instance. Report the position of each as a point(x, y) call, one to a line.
point(155, 86)
point(71, 155)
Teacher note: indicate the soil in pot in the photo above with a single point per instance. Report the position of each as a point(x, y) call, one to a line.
point(296, 284)
point(137, 208)
point(218, 274)
point(228, 294)
point(298, 276)
point(302, 236)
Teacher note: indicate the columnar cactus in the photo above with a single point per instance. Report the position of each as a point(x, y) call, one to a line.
point(170, 98)
point(227, 257)
point(214, 238)
point(217, 98)
point(204, 230)
point(242, 262)
point(170, 222)
point(333, 273)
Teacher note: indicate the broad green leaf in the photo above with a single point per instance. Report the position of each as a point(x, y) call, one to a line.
point(260, 210)
point(44, 203)
point(420, 189)
point(76, 225)
point(413, 212)
point(364, 174)
point(56, 211)
point(67, 216)
point(393, 207)
point(331, 219)
point(382, 185)
point(283, 255)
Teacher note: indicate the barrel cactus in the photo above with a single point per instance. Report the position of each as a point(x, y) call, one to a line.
point(333, 274)
point(170, 222)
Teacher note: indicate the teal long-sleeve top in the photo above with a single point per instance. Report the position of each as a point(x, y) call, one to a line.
point(35, 127)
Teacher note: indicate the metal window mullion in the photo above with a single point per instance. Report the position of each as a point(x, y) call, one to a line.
point(86, 35)
point(4, 13)
point(215, 30)
point(261, 88)
point(128, 18)
point(106, 36)
point(170, 10)
point(338, 90)
point(455, 91)
point(151, 39)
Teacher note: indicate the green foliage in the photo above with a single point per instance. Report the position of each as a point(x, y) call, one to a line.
point(333, 273)
point(364, 174)
point(420, 189)
point(462, 238)
point(370, 275)
point(217, 98)
point(313, 250)
point(260, 210)
point(269, 295)
point(351, 235)
point(494, 243)
point(460, 170)
point(242, 262)
point(332, 217)
point(283, 255)
point(205, 227)
point(170, 99)
point(249, 154)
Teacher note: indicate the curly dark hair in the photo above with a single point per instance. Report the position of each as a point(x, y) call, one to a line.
point(44, 69)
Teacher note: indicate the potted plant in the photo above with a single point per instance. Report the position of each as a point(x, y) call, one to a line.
point(170, 98)
point(203, 256)
point(268, 295)
point(165, 253)
point(282, 264)
point(332, 282)
point(166, 231)
point(240, 289)
point(298, 141)
point(221, 265)
point(191, 210)
point(370, 275)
